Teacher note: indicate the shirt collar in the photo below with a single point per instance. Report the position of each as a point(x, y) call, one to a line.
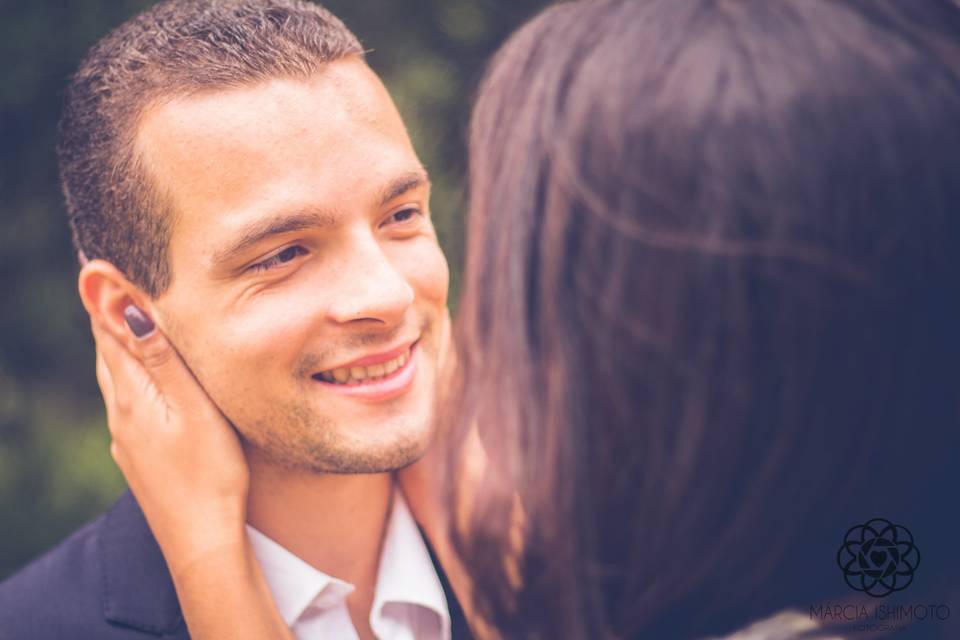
point(405, 575)
point(294, 583)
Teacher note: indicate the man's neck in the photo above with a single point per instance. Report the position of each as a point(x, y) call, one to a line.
point(335, 523)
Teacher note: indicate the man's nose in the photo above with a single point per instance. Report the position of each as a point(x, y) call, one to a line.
point(371, 288)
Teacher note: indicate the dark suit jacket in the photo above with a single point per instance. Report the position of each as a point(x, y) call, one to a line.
point(108, 581)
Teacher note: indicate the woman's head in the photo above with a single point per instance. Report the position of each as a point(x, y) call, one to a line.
point(709, 305)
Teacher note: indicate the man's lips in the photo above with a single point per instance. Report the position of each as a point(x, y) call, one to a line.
point(375, 388)
point(366, 362)
point(381, 376)
point(378, 358)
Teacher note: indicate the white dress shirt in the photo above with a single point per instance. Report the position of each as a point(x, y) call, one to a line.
point(408, 602)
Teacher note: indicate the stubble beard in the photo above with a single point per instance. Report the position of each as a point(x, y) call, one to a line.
point(311, 445)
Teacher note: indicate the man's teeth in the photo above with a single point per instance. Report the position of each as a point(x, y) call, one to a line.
point(354, 375)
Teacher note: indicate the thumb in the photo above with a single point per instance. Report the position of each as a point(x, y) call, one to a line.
point(161, 360)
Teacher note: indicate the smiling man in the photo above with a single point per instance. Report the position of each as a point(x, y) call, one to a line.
point(236, 175)
point(303, 264)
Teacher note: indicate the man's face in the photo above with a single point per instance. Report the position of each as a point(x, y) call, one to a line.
point(309, 291)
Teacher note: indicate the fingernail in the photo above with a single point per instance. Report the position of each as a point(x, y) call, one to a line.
point(138, 321)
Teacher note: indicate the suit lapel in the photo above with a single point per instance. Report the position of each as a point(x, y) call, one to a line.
point(137, 590)
point(459, 629)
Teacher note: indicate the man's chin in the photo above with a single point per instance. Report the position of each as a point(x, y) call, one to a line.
point(354, 463)
point(335, 454)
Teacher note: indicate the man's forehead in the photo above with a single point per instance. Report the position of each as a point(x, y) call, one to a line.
point(286, 153)
point(200, 127)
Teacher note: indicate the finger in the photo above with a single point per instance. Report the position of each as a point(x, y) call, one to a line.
point(105, 381)
point(162, 362)
point(128, 379)
point(116, 452)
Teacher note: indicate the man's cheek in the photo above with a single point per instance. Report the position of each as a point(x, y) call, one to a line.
point(422, 264)
point(430, 276)
point(275, 326)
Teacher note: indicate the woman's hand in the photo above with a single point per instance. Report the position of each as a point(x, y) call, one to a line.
point(184, 463)
point(181, 458)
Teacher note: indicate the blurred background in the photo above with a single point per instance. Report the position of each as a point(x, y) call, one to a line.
point(55, 468)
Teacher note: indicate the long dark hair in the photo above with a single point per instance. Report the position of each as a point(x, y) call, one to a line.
point(710, 311)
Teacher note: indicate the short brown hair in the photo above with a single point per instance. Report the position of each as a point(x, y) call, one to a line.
point(177, 47)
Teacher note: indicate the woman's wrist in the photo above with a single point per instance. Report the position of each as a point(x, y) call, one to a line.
point(205, 546)
point(223, 594)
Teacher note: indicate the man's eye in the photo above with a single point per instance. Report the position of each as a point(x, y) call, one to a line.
point(402, 216)
point(287, 255)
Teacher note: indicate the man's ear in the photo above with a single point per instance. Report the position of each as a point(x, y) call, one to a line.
point(106, 293)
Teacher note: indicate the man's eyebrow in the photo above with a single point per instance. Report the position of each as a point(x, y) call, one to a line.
point(260, 230)
point(402, 184)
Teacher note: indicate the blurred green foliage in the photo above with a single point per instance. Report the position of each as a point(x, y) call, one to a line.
point(55, 467)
